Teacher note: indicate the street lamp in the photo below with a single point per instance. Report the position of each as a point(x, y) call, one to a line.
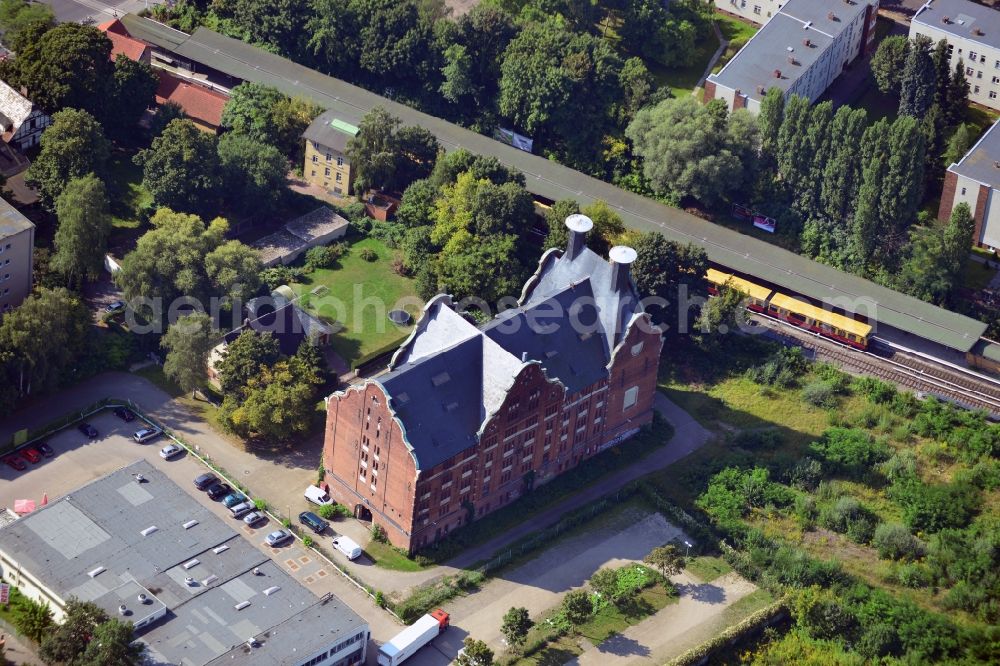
point(688, 551)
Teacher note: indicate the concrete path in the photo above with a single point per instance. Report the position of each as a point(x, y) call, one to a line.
point(659, 638)
point(17, 652)
point(689, 436)
point(723, 44)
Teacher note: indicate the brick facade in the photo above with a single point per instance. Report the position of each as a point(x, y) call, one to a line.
point(948, 195)
point(980, 214)
point(709, 92)
point(534, 430)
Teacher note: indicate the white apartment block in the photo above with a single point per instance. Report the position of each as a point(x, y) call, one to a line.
point(17, 240)
point(800, 50)
point(973, 35)
point(755, 11)
point(975, 180)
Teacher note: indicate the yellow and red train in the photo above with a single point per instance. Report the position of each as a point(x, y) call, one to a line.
point(793, 310)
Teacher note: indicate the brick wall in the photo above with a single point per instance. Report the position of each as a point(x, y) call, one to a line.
point(709, 92)
point(948, 195)
point(981, 200)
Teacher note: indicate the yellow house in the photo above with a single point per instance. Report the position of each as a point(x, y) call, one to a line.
point(326, 162)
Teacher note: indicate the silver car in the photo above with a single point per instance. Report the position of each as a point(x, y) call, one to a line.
point(170, 450)
point(278, 537)
point(255, 518)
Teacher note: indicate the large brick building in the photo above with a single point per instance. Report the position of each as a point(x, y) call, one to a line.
point(468, 418)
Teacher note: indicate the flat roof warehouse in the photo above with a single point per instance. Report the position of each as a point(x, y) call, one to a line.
point(115, 539)
point(724, 247)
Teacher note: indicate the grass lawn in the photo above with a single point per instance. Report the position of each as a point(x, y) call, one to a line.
point(359, 294)
point(387, 557)
point(976, 276)
point(734, 31)
point(682, 80)
point(612, 619)
point(707, 568)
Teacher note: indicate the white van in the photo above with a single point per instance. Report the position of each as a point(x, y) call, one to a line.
point(317, 495)
point(348, 547)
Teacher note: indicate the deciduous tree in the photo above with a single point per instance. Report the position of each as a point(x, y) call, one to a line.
point(113, 644)
point(188, 342)
point(474, 653)
point(662, 269)
point(72, 147)
point(82, 235)
point(888, 62)
point(132, 91)
point(67, 641)
point(516, 624)
point(181, 168)
point(253, 174)
point(666, 559)
point(577, 606)
point(244, 358)
point(23, 22)
point(32, 619)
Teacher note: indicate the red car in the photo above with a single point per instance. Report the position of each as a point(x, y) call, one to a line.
point(31, 455)
point(15, 462)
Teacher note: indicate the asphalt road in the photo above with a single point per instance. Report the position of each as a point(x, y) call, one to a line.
point(97, 11)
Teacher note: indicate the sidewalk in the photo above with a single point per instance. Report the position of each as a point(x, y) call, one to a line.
point(689, 436)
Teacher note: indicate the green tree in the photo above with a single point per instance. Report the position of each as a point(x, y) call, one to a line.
point(958, 237)
point(577, 606)
point(659, 31)
point(42, 338)
point(608, 227)
point(917, 81)
point(133, 90)
point(67, 641)
point(605, 583)
point(669, 271)
point(637, 85)
point(794, 159)
point(244, 358)
point(72, 147)
point(169, 260)
point(484, 32)
point(888, 63)
point(842, 173)
point(666, 559)
point(958, 95)
point(769, 120)
point(720, 316)
point(457, 72)
point(688, 149)
point(555, 219)
point(941, 58)
point(233, 270)
point(289, 119)
point(277, 405)
point(474, 653)
point(188, 342)
point(181, 168)
point(482, 267)
point(82, 235)
point(516, 624)
point(417, 208)
point(22, 22)
point(253, 173)
point(819, 144)
point(250, 110)
point(959, 144)
point(113, 644)
point(32, 618)
point(68, 66)
point(372, 151)
point(903, 184)
point(280, 24)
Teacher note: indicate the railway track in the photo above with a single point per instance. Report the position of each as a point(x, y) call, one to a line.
point(923, 376)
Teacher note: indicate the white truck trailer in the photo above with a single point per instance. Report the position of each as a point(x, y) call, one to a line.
point(406, 643)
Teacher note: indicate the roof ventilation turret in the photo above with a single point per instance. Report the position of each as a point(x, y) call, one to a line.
point(621, 258)
point(123, 610)
point(143, 599)
point(578, 226)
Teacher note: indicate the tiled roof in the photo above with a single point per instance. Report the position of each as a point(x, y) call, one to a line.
point(121, 42)
point(199, 103)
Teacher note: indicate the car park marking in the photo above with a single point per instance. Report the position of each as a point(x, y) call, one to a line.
point(305, 560)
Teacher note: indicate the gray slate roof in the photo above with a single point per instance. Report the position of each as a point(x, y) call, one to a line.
point(14, 106)
point(11, 220)
point(964, 16)
point(325, 131)
point(981, 162)
point(767, 50)
point(101, 524)
point(449, 377)
point(740, 252)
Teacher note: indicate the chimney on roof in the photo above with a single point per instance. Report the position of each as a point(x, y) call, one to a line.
point(578, 226)
point(621, 258)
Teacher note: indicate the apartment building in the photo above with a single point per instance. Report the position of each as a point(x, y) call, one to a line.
point(975, 180)
point(755, 11)
point(973, 35)
point(326, 162)
point(800, 50)
point(469, 418)
point(17, 241)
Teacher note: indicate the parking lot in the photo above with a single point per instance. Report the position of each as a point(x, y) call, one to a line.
point(79, 460)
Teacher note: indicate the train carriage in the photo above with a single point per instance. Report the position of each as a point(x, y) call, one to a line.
point(826, 323)
point(756, 294)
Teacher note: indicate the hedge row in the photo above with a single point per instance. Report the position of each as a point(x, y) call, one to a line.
point(753, 622)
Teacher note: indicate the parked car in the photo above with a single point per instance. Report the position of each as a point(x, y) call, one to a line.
point(218, 490)
point(233, 498)
point(205, 480)
point(15, 462)
point(313, 522)
point(318, 496)
point(31, 455)
point(87, 429)
point(45, 449)
point(145, 434)
point(170, 450)
point(116, 306)
point(241, 509)
point(348, 546)
point(278, 537)
point(255, 518)
point(125, 415)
